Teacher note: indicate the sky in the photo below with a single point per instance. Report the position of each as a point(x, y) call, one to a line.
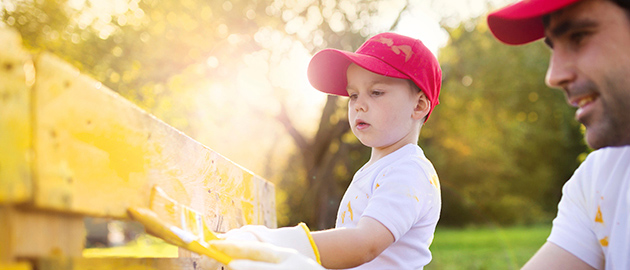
point(422, 19)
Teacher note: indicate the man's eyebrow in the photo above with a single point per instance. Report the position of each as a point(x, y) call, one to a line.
point(566, 26)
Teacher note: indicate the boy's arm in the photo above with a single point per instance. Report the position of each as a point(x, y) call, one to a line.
point(351, 247)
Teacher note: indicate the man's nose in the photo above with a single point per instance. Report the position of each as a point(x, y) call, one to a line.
point(561, 70)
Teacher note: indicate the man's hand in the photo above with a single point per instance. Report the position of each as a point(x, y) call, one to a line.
point(550, 256)
point(251, 255)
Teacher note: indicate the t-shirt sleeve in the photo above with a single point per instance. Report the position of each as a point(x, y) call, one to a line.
point(402, 195)
point(572, 227)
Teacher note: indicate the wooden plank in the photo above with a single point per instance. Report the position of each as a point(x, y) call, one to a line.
point(16, 77)
point(171, 212)
point(127, 264)
point(98, 154)
point(31, 234)
point(16, 266)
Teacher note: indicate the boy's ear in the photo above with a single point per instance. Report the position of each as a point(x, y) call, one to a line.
point(422, 107)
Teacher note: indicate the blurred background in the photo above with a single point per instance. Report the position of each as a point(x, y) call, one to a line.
point(232, 75)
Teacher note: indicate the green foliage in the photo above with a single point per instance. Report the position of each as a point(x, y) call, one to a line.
point(137, 49)
point(502, 142)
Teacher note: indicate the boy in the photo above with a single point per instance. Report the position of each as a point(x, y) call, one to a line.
point(389, 212)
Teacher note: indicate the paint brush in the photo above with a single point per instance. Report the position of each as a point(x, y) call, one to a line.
point(175, 235)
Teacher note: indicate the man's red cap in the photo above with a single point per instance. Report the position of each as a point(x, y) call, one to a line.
point(521, 22)
point(387, 54)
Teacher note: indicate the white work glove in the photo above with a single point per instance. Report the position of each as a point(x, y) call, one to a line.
point(252, 255)
point(298, 238)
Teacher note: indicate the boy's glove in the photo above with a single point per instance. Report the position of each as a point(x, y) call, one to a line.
point(298, 238)
point(249, 255)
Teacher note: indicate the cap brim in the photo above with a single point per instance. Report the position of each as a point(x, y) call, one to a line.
point(327, 70)
point(521, 22)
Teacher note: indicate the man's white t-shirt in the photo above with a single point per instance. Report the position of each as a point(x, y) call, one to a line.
point(593, 215)
point(401, 191)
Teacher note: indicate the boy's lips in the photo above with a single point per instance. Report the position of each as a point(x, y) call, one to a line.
point(360, 124)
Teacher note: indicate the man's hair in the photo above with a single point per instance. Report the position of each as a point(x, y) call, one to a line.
point(625, 4)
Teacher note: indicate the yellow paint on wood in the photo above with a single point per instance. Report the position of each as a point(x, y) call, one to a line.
point(15, 266)
point(127, 264)
point(186, 218)
point(176, 235)
point(98, 154)
point(72, 147)
point(16, 77)
point(31, 234)
point(90, 148)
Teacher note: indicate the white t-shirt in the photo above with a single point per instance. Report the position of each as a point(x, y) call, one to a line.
point(593, 222)
point(401, 191)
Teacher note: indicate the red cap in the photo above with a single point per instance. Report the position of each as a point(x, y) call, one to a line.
point(521, 22)
point(387, 54)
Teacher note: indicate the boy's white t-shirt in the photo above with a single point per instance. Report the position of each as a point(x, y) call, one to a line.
point(401, 191)
point(593, 214)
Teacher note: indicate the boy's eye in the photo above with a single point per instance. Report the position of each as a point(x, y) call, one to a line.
point(352, 96)
point(377, 93)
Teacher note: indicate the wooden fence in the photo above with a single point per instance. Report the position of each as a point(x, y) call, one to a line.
point(71, 148)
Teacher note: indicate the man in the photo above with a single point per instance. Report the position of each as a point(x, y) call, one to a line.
point(590, 61)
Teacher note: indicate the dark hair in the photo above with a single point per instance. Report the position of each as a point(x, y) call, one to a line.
point(414, 86)
point(625, 4)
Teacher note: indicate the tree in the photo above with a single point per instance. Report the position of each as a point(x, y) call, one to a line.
point(162, 54)
point(503, 143)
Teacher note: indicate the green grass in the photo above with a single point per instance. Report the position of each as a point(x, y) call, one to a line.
point(453, 249)
point(485, 248)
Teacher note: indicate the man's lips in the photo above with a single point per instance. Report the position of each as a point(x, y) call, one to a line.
point(582, 103)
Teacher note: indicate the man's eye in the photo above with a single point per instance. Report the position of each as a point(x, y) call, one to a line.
point(577, 37)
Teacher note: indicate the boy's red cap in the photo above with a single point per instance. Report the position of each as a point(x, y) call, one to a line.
point(521, 22)
point(387, 54)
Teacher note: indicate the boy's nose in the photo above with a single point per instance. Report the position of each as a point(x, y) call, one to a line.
point(360, 105)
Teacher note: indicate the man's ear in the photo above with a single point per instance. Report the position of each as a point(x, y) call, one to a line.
point(422, 106)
